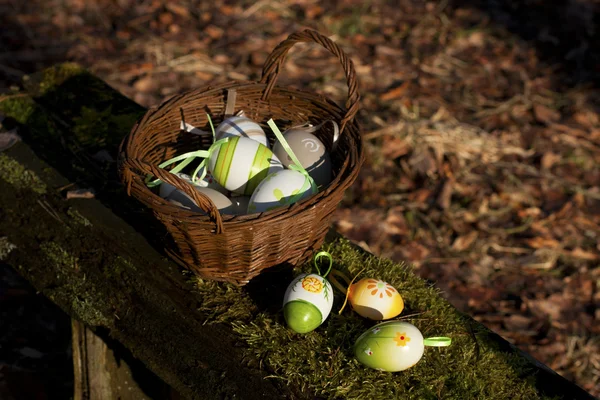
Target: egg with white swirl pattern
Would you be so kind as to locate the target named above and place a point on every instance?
(310, 151)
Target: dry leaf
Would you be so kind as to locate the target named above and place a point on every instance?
(80, 194)
(585, 255)
(414, 252)
(146, 84)
(545, 114)
(396, 92)
(395, 223)
(177, 9)
(445, 195)
(540, 242)
(587, 118)
(463, 242)
(394, 147)
(549, 159)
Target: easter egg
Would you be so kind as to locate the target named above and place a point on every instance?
(208, 181)
(307, 302)
(279, 189)
(241, 126)
(390, 346)
(240, 164)
(375, 299)
(309, 150)
(181, 199)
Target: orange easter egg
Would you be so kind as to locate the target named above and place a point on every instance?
(375, 299)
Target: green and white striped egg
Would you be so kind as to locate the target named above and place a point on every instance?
(240, 164)
(241, 126)
(307, 302)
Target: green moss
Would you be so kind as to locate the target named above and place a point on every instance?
(66, 264)
(94, 126)
(222, 302)
(5, 248)
(322, 362)
(17, 175)
(115, 269)
(18, 108)
(59, 257)
(88, 312)
(48, 79)
(78, 218)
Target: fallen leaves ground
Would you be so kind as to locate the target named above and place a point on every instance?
(481, 120)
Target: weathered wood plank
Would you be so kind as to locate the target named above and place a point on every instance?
(103, 369)
(95, 267)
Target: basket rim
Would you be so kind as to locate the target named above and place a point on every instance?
(344, 179)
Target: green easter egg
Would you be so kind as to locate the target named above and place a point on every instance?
(302, 316)
(390, 346)
(240, 164)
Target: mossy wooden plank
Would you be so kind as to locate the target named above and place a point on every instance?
(99, 269)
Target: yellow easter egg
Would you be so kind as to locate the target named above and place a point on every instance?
(375, 299)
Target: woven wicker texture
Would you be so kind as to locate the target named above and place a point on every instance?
(237, 248)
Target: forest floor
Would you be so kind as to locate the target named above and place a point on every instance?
(481, 121)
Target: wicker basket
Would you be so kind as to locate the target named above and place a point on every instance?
(237, 248)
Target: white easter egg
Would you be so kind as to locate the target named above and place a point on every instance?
(307, 302)
(241, 126)
(309, 150)
(281, 188)
(223, 204)
(166, 189)
(208, 181)
(240, 164)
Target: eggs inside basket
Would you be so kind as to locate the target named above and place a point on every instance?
(242, 172)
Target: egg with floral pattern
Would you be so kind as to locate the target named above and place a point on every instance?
(375, 299)
(307, 302)
(390, 346)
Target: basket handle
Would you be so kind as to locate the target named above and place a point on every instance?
(275, 60)
(199, 198)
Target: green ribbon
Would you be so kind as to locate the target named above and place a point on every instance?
(326, 255)
(189, 157)
(438, 341)
(296, 166)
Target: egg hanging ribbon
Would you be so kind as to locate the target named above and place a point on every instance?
(322, 254)
(370, 298)
(437, 341)
(296, 166)
(341, 288)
